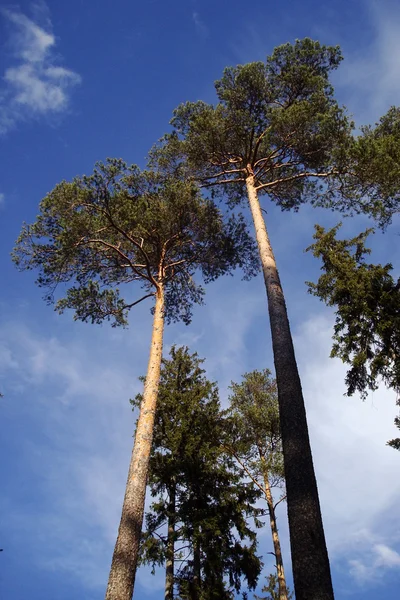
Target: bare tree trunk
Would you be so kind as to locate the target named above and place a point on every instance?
(124, 561)
(170, 550)
(196, 569)
(311, 570)
(275, 536)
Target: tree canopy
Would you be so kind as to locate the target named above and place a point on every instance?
(121, 225)
(279, 119)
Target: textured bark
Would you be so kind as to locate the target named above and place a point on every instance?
(170, 550)
(275, 535)
(311, 570)
(124, 561)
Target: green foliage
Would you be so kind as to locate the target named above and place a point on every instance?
(272, 589)
(278, 120)
(213, 505)
(372, 185)
(121, 225)
(254, 431)
(367, 303)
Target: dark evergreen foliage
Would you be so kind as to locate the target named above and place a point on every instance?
(213, 506)
(366, 298)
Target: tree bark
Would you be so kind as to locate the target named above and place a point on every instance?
(170, 550)
(124, 561)
(311, 569)
(275, 535)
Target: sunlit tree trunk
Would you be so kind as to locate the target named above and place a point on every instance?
(124, 561)
(311, 570)
(275, 535)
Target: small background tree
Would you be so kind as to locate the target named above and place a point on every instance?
(255, 441)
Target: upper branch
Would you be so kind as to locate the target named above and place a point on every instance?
(297, 176)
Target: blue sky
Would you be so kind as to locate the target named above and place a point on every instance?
(81, 81)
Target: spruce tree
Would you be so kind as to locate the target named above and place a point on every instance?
(366, 298)
(122, 226)
(207, 543)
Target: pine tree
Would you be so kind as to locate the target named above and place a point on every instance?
(367, 302)
(276, 130)
(207, 543)
(254, 440)
(125, 226)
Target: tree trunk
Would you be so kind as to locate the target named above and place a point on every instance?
(275, 536)
(170, 550)
(196, 569)
(124, 561)
(311, 570)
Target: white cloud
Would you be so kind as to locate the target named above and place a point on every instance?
(1, 199)
(35, 86)
(375, 564)
(356, 471)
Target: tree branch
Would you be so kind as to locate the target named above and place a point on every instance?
(129, 306)
(134, 242)
(294, 177)
(133, 266)
(279, 501)
(246, 470)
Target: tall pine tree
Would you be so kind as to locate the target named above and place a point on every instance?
(123, 226)
(278, 131)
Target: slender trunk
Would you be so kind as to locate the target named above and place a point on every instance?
(311, 570)
(124, 561)
(170, 550)
(196, 568)
(275, 536)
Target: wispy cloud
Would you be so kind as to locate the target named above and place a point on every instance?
(199, 24)
(380, 559)
(373, 76)
(35, 85)
(351, 459)
(2, 197)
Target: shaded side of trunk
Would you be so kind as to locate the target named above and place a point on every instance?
(170, 550)
(124, 561)
(275, 535)
(311, 570)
